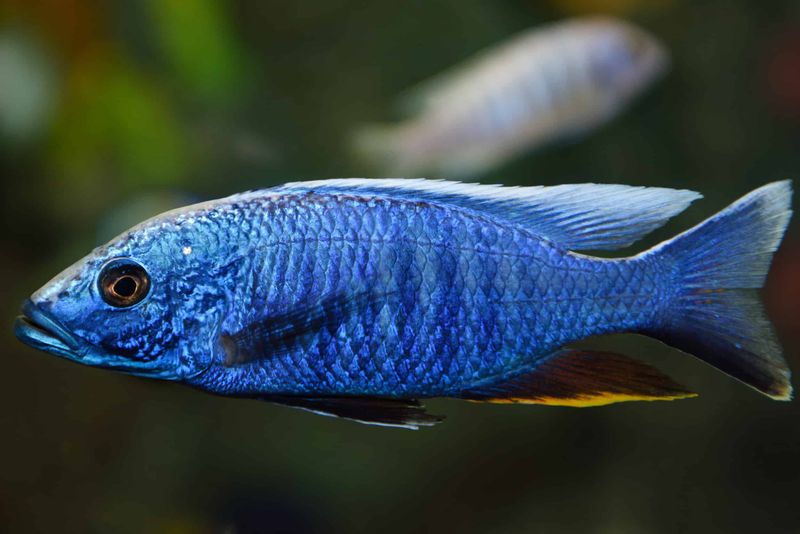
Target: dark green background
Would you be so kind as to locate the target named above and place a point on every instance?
(154, 103)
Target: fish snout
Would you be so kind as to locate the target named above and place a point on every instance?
(39, 329)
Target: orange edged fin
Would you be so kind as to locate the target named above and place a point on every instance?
(582, 379)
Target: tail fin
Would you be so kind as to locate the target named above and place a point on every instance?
(719, 266)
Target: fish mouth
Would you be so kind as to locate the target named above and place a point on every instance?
(38, 329)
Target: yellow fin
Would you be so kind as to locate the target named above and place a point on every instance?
(586, 401)
(582, 379)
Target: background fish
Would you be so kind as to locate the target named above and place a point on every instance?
(357, 297)
(546, 84)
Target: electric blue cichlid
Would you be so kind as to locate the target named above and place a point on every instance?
(358, 297)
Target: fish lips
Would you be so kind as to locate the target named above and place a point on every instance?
(38, 329)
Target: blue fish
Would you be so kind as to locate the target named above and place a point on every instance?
(357, 298)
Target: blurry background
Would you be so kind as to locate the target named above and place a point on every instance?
(110, 112)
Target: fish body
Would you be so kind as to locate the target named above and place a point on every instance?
(358, 297)
(546, 84)
(465, 299)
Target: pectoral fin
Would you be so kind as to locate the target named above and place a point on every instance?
(277, 334)
(400, 413)
(581, 378)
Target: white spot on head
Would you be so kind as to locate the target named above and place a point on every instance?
(187, 251)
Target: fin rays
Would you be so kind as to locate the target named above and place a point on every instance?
(717, 315)
(581, 379)
(575, 216)
(398, 413)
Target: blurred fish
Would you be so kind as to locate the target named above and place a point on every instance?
(356, 298)
(546, 84)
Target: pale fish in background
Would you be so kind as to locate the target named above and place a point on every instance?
(547, 84)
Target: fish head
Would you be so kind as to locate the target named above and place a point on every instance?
(147, 304)
(625, 59)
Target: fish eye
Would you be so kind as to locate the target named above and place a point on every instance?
(123, 283)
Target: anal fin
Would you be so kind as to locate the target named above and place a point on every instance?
(581, 379)
(400, 413)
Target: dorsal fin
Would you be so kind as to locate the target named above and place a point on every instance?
(575, 216)
(582, 378)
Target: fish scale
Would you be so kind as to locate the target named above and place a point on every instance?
(356, 297)
(484, 323)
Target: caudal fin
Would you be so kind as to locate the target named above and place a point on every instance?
(719, 266)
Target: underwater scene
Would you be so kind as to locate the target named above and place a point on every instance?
(477, 266)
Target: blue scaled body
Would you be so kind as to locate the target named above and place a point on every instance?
(356, 297)
(424, 300)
